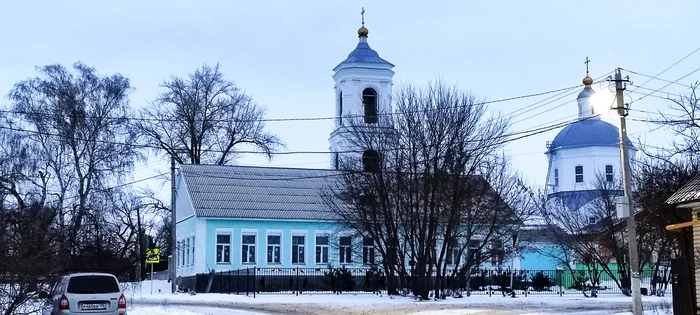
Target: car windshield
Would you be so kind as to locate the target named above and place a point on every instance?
(92, 285)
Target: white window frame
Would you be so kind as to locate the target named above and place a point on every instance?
(303, 233)
(327, 247)
(247, 232)
(192, 252)
(187, 251)
(369, 255)
(223, 231)
(341, 259)
(576, 175)
(273, 232)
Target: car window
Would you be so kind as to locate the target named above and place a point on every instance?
(92, 285)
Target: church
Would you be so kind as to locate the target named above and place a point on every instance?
(234, 217)
(583, 164)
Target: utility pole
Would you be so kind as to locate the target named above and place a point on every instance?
(626, 177)
(173, 239)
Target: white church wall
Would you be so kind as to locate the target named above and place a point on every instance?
(592, 159)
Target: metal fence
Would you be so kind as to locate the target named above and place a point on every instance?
(258, 280)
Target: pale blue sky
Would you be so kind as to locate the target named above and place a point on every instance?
(282, 52)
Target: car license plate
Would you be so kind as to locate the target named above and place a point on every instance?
(93, 306)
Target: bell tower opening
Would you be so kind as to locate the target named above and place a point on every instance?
(369, 101)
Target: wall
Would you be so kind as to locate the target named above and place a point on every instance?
(539, 257)
(593, 160)
(262, 228)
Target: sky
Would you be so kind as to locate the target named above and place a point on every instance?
(282, 53)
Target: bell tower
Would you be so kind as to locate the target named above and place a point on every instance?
(363, 87)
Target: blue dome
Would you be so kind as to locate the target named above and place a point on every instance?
(364, 54)
(587, 133)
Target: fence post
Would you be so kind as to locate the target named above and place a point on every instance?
(247, 281)
(297, 281)
(527, 282)
(490, 277)
(228, 281)
(255, 281)
(560, 281)
(238, 281)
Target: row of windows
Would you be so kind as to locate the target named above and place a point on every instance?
(185, 252)
(298, 249)
(578, 172)
(369, 102)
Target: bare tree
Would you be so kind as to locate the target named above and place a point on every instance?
(78, 123)
(684, 120)
(202, 119)
(424, 185)
(27, 256)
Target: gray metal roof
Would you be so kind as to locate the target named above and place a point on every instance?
(247, 192)
(690, 192)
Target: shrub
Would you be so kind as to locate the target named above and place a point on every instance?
(541, 282)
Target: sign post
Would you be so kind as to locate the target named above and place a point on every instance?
(152, 257)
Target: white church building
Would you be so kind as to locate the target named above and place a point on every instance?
(583, 161)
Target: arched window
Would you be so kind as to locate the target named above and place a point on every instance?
(579, 174)
(369, 101)
(556, 177)
(370, 161)
(340, 107)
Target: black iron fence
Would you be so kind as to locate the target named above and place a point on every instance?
(257, 280)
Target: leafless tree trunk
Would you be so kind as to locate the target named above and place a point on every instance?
(430, 186)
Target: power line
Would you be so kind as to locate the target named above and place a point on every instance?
(663, 87)
(293, 119)
(649, 76)
(112, 187)
(345, 172)
(669, 67)
(240, 151)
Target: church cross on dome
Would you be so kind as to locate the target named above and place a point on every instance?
(586, 62)
(363, 17)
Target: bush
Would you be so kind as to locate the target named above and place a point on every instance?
(340, 279)
(541, 282)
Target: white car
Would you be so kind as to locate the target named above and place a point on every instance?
(85, 293)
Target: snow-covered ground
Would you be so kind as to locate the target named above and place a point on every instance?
(142, 301)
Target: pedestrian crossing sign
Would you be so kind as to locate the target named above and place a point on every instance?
(153, 256)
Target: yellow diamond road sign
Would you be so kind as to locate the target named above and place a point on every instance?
(153, 256)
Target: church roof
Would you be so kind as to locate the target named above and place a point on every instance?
(364, 54)
(246, 192)
(587, 133)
